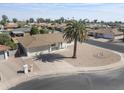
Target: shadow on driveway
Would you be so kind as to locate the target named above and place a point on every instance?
(51, 57)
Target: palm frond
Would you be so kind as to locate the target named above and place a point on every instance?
(75, 29)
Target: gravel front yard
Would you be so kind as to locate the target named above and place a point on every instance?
(87, 56)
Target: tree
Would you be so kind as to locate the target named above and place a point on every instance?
(102, 22)
(95, 20)
(27, 21)
(31, 20)
(58, 21)
(2, 22)
(34, 31)
(62, 20)
(76, 30)
(40, 20)
(122, 30)
(4, 19)
(47, 20)
(85, 20)
(6, 40)
(14, 20)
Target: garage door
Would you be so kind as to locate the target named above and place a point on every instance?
(108, 36)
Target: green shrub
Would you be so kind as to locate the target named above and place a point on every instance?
(6, 40)
(44, 31)
(34, 31)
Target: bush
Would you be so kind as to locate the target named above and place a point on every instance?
(44, 31)
(34, 31)
(6, 40)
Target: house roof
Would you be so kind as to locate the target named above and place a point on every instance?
(40, 40)
(104, 31)
(3, 47)
(63, 25)
(113, 31)
(17, 32)
(11, 25)
(117, 32)
(26, 29)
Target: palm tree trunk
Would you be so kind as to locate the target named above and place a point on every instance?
(75, 48)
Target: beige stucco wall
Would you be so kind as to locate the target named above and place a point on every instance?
(44, 50)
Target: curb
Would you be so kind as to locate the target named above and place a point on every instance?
(29, 77)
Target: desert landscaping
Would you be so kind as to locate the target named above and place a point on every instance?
(85, 53)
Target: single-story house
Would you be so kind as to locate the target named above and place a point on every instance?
(4, 52)
(41, 43)
(17, 33)
(56, 26)
(20, 32)
(106, 33)
(11, 26)
(117, 34)
(96, 25)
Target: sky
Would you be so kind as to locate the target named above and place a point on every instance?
(91, 11)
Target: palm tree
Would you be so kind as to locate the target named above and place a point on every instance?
(76, 30)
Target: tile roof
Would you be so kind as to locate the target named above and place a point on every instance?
(9, 25)
(40, 40)
(3, 47)
(25, 29)
(113, 31)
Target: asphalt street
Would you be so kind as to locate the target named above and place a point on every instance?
(108, 45)
(108, 80)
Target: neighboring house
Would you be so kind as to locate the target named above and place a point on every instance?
(11, 26)
(57, 26)
(106, 33)
(20, 32)
(96, 25)
(3, 52)
(117, 34)
(41, 43)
